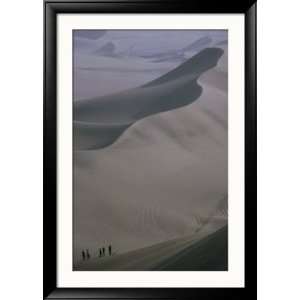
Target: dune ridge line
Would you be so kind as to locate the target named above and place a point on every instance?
(99, 122)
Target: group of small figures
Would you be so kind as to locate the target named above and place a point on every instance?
(86, 254)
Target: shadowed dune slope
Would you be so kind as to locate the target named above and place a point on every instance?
(98, 122)
(208, 254)
(191, 253)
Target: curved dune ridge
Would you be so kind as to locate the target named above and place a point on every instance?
(99, 122)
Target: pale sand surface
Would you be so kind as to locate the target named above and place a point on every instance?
(151, 184)
(148, 258)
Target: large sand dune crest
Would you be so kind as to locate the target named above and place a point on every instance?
(117, 112)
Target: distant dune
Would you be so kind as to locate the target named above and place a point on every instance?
(172, 57)
(224, 42)
(106, 50)
(89, 34)
(179, 54)
(100, 121)
(97, 76)
(198, 44)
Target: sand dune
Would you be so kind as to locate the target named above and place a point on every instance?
(96, 76)
(221, 43)
(163, 173)
(198, 44)
(179, 54)
(106, 50)
(89, 34)
(195, 252)
(172, 57)
(118, 111)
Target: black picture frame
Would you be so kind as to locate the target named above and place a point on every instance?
(51, 9)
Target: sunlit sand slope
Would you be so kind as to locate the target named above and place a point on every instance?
(161, 176)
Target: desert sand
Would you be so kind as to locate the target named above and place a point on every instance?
(157, 178)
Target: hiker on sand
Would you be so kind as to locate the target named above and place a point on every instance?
(87, 254)
(100, 252)
(109, 250)
(83, 255)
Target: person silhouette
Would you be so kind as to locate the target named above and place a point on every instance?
(109, 250)
(87, 254)
(83, 255)
(100, 252)
(103, 251)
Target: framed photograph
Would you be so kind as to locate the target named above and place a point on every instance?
(149, 150)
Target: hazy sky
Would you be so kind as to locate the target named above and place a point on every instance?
(143, 41)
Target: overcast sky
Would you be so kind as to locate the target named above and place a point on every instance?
(143, 41)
